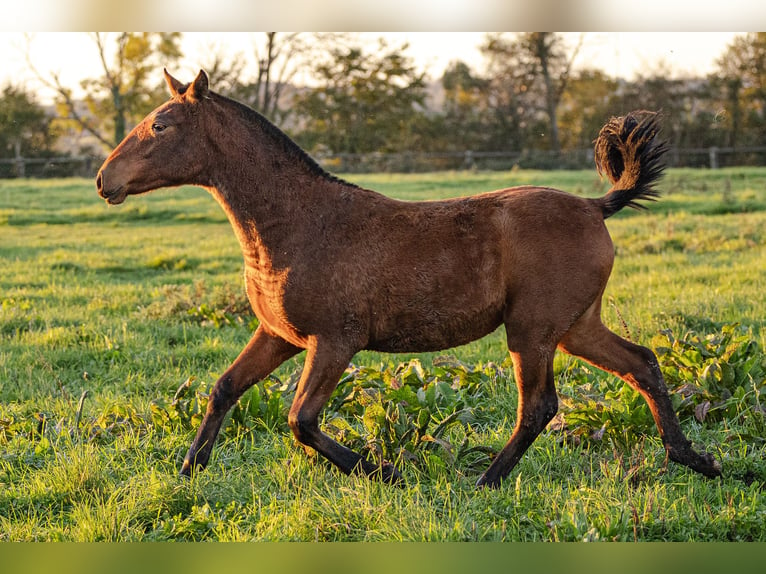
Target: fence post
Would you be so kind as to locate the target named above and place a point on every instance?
(19, 160)
(468, 161)
(714, 157)
(20, 167)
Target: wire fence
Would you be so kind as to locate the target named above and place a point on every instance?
(712, 157)
(65, 166)
(407, 162)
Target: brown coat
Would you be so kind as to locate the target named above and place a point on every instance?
(334, 268)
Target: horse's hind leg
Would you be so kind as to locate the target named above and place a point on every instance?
(538, 404)
(261, 356)
(589, 339)
(325, 363)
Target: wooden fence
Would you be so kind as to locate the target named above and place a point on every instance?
(712, 157)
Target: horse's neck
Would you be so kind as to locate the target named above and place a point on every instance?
(272, 213)
(275, 197)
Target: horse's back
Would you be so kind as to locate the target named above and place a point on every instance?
(421, 276)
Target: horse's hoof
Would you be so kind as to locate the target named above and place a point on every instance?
(704, 463)
(485, 482)
(390, 475)
(188, 469)
(709, 466)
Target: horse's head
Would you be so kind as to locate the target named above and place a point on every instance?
(164, 150)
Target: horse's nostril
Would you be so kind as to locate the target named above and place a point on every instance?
(99, 183)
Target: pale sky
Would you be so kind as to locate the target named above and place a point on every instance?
(625, 54)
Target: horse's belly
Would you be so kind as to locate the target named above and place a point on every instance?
(434, 331)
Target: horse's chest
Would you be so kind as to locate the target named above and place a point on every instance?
(266, 292)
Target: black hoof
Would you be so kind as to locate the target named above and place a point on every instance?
(708, 466)
(188, 469)
(704, 463)
(486, 482)
(389, 475)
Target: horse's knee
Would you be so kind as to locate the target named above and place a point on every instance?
(653, 364)
(647, 373)
(550, 406)
(538, 410)
(546, 409)
(303, 427)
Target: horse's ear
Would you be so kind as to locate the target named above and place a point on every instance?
(174, 85)
(199, 87)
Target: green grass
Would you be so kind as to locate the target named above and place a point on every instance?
(130, 303)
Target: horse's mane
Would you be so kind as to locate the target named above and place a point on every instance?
(252, 117)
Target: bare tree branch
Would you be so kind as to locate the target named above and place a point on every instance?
(66, 99)
(566, 73)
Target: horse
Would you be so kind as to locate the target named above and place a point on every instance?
(333, 268)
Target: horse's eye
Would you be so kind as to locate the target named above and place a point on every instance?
(157, 127)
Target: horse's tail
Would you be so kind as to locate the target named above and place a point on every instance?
(628, 152)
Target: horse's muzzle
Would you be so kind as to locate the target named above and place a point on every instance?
(112, 196)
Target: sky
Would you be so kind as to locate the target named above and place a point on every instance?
(72, 55)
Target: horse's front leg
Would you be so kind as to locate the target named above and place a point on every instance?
(263, 354)
(324, 366)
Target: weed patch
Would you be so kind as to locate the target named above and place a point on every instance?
(716, 377)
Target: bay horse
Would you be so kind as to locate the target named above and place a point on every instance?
(332, 268)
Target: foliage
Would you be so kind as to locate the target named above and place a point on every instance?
(407, 412)
(551, 63)
(587, 101)
(363, 102)
(220, 307)
(465, 111)
(602, 409)
(25, 129)
(279, 57)
(524, 96)
(741, 81)
(718, 376)
(713, 377)
(125, 92)
(402, 413)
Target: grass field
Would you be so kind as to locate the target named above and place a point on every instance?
(115, 322)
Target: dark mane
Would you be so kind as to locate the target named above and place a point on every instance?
(279, 137)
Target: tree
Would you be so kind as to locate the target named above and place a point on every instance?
(548, 60)
(741, 81)
(466, 121)
(25, 129)
(276, 68)
(533, 69)
(584, 107)
(119, 98)
(508, 93)
(685, 104)
(279, 57)
(363, 102)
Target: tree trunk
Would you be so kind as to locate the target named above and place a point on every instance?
(267, 78)
(543, 53)
(734, 86)
(551, 104)
(119, 115)
(20, 165)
